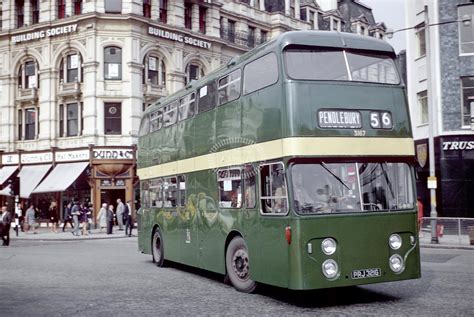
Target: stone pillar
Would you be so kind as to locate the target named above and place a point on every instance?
(155, 10)
(287, 7)
(26, 13)
(91, 111)
(195, 18)
(297, 9)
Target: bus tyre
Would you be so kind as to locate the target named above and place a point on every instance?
(157, 248)
(237, 266)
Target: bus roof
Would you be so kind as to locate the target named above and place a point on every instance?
(303, 38)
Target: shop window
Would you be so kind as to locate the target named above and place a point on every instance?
(34, 4)
(207, 97)
(260, 73)
(71, 68)
(163, 11)
(113, 63)
(466, 30)
(20, 13)
(28, 75)
(28, 130)
(147, 8)
(170, 191)
(193, 72)
(467, 85)
(156, 193)
(112, 118)
(230, 188)
(421, 39)
(156, 120)
(61, 9)
(113, 6)
(273, 193)
(170, 114)
(77, 7)
(187, 106)
(250, 187)
(70, 119)
(202, 19)
(229, 87)
(154, 71)
(423, 106)
(188, 13)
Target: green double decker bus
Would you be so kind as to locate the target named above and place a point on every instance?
(292, 166)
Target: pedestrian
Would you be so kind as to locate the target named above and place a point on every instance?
(419, 206)
(120, 210)
(127, 215)
(102, 217)
(53, 214)
(89, 208)
(76, 212)
(6, 223)
(83, 211)
(110, 219)
(21, 217)
(68, 216)
(31, 219)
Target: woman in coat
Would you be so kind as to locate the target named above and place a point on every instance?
(102, 217)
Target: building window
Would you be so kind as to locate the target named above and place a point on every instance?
(20, 11)
(154, 71)
(421, 39)
(188, 13)
(27, 75)
(77, 7)
(467, 99)
(193, 72)
(147, 8)
(164, 11)
(335, 25)
(113, 63)
(312, 17)
(263, 36)
(61, 9)
(70, 69)
(423, 106)
(28, 116)
(71, 114)
(202, 19)
(112, 118)
(113, 6)
(362, 30)
(231, 31)
(466, 30)
(251, 37)
(34, 11)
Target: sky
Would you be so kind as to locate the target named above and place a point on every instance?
(392, 13)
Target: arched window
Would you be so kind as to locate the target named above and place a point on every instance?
(28, 75)
(194, 71)
(113, 63)
(70, 70)
(154, 71)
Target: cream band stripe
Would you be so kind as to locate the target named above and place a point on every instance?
(326, 146)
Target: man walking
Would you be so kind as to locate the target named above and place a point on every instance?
(119, 212)
(68, 216)
(127, 215)
(6, 221)
(76, 212)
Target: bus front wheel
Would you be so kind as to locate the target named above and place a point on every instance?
(237, 265)
(157, 248)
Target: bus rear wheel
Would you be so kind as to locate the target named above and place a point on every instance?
(237, 265)
(157, 248)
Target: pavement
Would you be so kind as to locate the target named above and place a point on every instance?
(45, 234)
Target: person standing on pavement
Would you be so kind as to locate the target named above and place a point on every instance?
(68, 216)
(83, 210)
(102, 217)
(53, 214)
(76, 212)
(120, 210)
(110, 218)
(31, 219)
(6, 222)
(127, 216)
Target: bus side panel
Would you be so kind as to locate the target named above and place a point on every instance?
(204, 132)
(228, 127)
(184, 139)
(362, 244)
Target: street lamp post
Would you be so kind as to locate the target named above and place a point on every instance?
(432, 180)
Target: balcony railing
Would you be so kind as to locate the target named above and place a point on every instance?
(28, 94)
(69, 89)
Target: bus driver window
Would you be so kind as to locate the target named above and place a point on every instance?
(273, 189)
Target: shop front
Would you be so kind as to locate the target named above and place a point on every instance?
(454, 161)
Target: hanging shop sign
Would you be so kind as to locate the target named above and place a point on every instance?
(178, 37)
(82, 155)
(51, 32)
(113, 154)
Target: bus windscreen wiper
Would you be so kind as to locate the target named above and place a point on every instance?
(335, 176)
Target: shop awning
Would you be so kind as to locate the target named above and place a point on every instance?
(6, 172)
(62, 176)
(30, 176)
(5, 191)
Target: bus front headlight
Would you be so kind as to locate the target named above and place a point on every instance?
(328, 246)
(396, 263)
(395, 241)
(330, 268)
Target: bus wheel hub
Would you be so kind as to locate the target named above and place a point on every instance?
(240, 263)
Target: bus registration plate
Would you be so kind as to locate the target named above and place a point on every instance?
(366, 273)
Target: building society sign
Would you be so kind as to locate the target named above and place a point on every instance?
(44, 33)
(178, 37)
